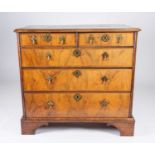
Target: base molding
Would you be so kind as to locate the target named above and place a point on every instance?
(124, 125)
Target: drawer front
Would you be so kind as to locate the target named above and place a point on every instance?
(69, 105)
(48, 39)
(77, 79)
(106, 57)
(106, 39)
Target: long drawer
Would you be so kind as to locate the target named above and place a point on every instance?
(102, 57)
(77, 79)
(77, 104)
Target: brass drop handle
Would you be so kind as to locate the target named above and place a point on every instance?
(50, 104)
(77, 97)
(62, 40)
(77, 73)
(90, 39)
(104, 103)
(105, 56)
(34, 39)
(104, 79)
(105, 38)
(50, 78)
(77, 53)
(49, 56)
(119, 38)
(47, 37)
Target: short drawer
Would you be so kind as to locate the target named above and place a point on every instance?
(77, 79)
(106, 39)
(77, 104)
(47, 39)
(87, 57)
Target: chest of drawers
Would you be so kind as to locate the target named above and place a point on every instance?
(77, 74)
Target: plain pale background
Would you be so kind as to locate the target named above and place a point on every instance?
(10, 105)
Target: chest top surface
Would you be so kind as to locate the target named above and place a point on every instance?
(78, 28)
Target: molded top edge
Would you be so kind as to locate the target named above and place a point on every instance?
(78, 28)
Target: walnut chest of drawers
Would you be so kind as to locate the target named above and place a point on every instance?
(77, 74)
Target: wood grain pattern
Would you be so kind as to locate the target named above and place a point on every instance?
(126, 39)
(70, 39)
(64, 80)
(116, 69)
(66, 106)
(116, 57)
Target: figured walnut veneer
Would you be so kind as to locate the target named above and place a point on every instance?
(90, 105)
(64, 80)
(107, 57)
(126, 39)
(75, 74)
(26, 39)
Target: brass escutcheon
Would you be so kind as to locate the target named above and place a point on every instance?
(77, 53)
(105, 37)
(77, 73)
(47, 37)
(104, 103)
(77, 97)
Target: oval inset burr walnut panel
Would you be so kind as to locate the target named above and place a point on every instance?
(47, 39)
(73, 79)
(106, 39)
(64, 105)
(103, 57)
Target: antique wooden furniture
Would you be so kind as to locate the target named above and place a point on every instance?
(77, 74)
